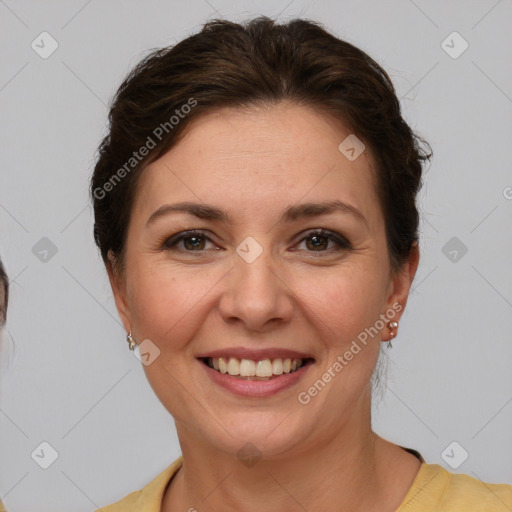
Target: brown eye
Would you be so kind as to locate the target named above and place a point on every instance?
(188, 241)
(193, 242)
(322, 241)
(318, 242)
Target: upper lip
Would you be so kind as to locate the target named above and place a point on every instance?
(256, 355)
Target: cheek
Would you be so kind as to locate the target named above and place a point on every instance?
(168, 304)
(342, 303)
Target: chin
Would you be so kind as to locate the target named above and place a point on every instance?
(267, 434)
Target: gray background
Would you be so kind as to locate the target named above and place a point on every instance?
(67, 375)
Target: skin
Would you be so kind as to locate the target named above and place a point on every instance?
(253, 164)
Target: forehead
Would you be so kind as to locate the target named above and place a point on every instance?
(283, 152)
(266, 132)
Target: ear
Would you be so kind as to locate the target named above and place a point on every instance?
(118, 284)
(400, 284)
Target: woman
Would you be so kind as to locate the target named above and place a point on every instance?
(255, 209)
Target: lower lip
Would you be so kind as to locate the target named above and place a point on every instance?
(255, 388)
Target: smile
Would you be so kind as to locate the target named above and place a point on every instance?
(264, 369)
(251, 378)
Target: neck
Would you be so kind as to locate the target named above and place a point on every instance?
(349, 469)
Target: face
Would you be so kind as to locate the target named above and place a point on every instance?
(256, 238)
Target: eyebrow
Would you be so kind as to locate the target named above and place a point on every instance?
(292, 213)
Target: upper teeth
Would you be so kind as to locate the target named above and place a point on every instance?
(250, 368)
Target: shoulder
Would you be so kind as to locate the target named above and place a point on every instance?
(435, 488)
(473, 493)
(149, 498)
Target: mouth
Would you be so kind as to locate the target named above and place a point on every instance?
(256, 370)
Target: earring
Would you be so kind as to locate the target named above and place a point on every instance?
(392, 334)
(132, 343)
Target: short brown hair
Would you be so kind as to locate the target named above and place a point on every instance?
(228, 64)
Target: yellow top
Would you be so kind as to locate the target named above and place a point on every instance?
(433, 489)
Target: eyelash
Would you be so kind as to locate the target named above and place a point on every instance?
(341, 242)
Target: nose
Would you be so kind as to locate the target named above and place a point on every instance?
(256, 295)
